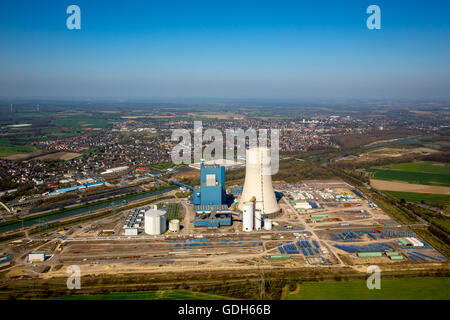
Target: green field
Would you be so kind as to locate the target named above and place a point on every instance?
(172, 211)
(423, 166)
(7, 148)
(149, 295)
(164, 165)
(429, 198)
(444, 223)
(429, 173)
(81, 122)
(391, 289)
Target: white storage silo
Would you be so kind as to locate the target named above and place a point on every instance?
(267, 224)
(248, 216)
(155, 221)
(258, 219)
(258, 181)
(174, 225)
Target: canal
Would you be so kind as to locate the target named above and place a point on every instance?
(71, 212)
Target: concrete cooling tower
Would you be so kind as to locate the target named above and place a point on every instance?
(258, 182)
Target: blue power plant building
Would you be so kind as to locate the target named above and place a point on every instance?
(210, 198)
(212, 186)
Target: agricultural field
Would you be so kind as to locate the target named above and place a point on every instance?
(391, 289)
(8, 148)
(81, 122)
(427, 173)
(149, 295)
(428, 198)
(423, 166)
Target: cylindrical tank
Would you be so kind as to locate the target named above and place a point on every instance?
(174, 225)
(155, 221)
(258, 219)
(267, 224)
(248, 216)
(258, 181)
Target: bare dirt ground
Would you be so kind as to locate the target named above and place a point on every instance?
(37, 155)
(59, 156)
(393, 153)
(408, 187)
(186, 173)
(23, 156)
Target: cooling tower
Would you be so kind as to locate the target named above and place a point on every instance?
(258, 182)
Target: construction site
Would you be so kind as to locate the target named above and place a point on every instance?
(316, 224)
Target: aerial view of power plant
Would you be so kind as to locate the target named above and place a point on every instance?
(245, 155)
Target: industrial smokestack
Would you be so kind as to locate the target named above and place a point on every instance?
(258, 181)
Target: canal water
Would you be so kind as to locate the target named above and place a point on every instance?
(72, 212)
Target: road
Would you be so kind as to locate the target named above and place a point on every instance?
(311, 230)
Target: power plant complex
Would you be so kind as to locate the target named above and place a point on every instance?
(240, 227)
(256, 205)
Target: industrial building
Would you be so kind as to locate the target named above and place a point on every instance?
(174, 225)
(115, 170)
(209, 198)
(212, 186)
(302, 205)
(212, 220)
(134, 221)
(227, 164)
(155, 221)
(36, 256)
(5, 259)
(75, 188)
(131, 231)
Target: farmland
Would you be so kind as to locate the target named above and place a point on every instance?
(391, 289)
(78, 122)
(427, 173)
(408, 187)
(428, 198)
(423, 166)
(8, 148)
(23, 129)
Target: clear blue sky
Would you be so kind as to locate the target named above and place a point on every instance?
(226, 49)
